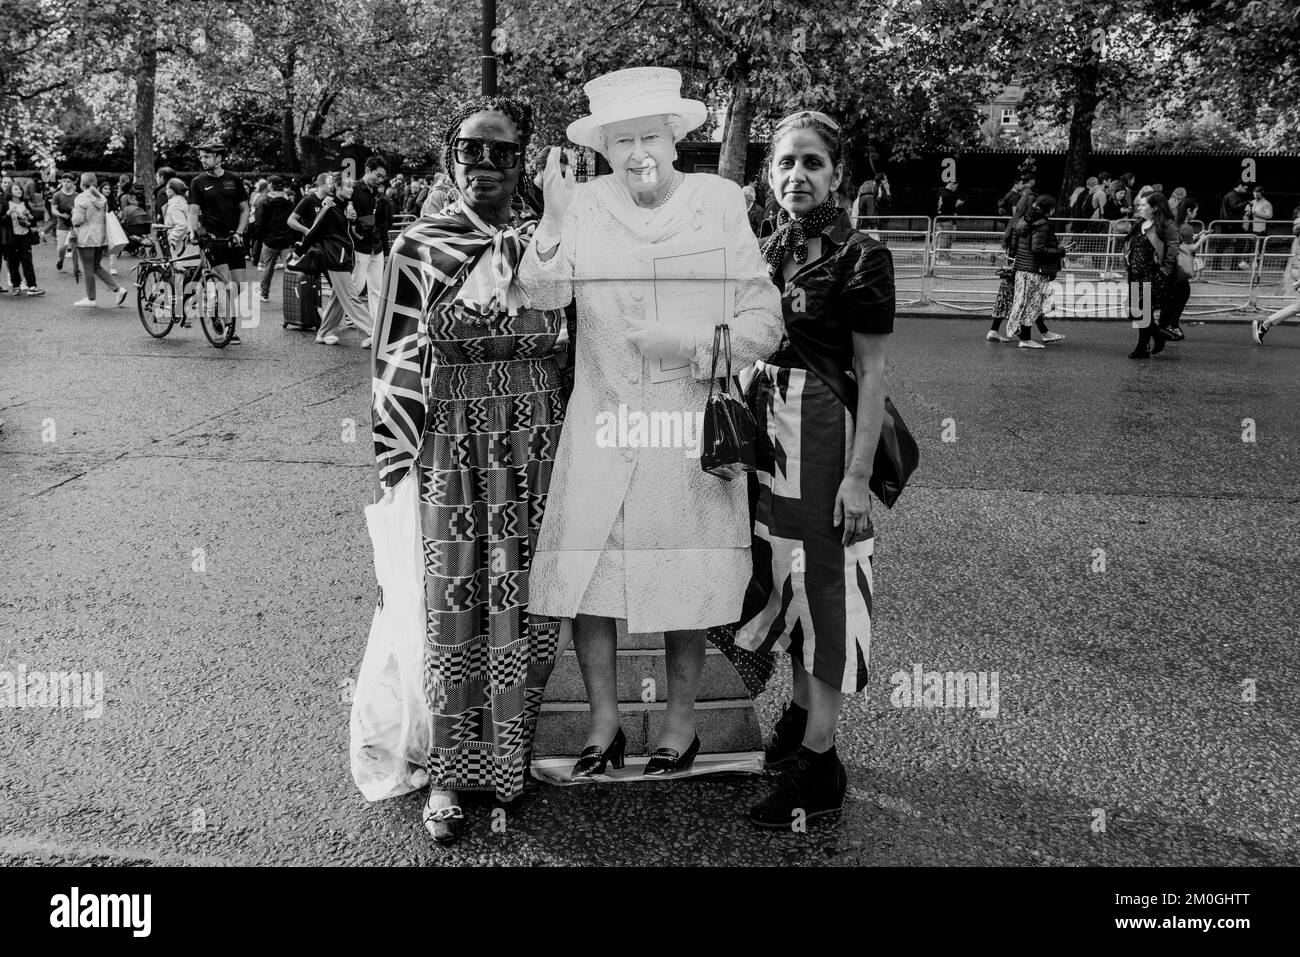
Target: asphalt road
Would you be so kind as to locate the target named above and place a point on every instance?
(1147, 713)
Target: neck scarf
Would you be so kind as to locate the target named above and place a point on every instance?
(792, 235)
(457, 238)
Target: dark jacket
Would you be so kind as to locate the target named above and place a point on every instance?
(332, 233)
(1166, 241)
(368, 238)
(273, 222)
(1032, 242)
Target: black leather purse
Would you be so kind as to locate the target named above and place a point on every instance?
(727, 448)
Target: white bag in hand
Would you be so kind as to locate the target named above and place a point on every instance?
(390, 725)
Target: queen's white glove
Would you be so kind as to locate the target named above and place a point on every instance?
(662, 340)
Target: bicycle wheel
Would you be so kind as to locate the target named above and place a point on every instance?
(216, 311)
(153, 299)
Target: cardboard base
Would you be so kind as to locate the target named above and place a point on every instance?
(556, 770)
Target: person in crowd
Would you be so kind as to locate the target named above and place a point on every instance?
(219, 216)
(162, 176)
(1188, 209)
(1254, 222)
(332, 231)
(1124, 195)
(752, 210)
(255, 200)
(1177, 202)
(61, 204)
(89, 222)
(614, 541)
(274, 233)
(1232, 215)
(466, 381)
(819, 402)
(370, 236)
(384, 225)
(949, 205)
(17, 237)
(176, 215)
(866, 210)
(1031, 242)
(416, 195)
(308, 208)
(135, 222)
(1028, 193)
(396, 192)
(1011, 198)
(1151, 256)
(1290, 283)
(1189, 263)
(441, 194)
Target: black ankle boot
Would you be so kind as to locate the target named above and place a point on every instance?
(787, 736)
(812, 785)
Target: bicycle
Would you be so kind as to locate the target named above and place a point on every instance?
(202, 292)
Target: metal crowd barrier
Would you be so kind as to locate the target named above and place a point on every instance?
(908, 239)
(1279, 268)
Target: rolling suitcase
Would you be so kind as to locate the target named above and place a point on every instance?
(301, 300)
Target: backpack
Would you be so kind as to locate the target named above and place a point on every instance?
(1081, 208)
(1112, 209)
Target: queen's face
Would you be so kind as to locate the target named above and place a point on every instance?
(640, 152)
(802, 174)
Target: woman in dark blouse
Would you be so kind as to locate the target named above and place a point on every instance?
(819, 402)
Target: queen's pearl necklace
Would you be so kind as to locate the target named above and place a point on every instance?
(678, 179)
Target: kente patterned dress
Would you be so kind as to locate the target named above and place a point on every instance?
(466, 395)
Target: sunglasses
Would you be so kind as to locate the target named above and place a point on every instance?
(504, 155)
(812, 114)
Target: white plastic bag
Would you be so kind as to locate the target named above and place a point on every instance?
(114, 234)
(390, 724)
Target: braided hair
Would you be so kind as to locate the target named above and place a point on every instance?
(519, 112)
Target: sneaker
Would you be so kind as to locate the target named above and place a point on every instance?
(1243, 265)
(330, 340)
(365, 343)
(112, 272)
(1258, 330)
(787, 737)
(810, 782)
(264, 296)
(1052, 337)
(122, 294)
(35, 292)
(15, 291)
(85, 302)
(995, 336)
(234, 337)
(1031, 344)
(1176, 333)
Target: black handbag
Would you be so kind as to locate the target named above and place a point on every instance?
(897, 456)
(727, 449)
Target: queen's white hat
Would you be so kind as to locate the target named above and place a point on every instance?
(628, 94)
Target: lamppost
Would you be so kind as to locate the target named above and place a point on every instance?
(489, 56)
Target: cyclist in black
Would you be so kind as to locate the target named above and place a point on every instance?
(219, 215)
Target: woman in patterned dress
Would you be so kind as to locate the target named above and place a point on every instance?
(466, 396)
(819, 401)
